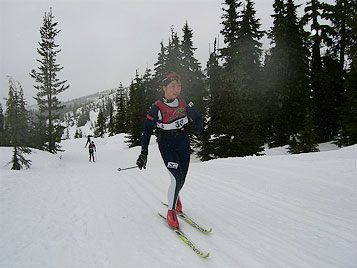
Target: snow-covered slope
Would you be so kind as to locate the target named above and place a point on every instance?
(271, 211)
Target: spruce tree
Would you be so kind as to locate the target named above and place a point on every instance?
(228, 100)
(160, 68)
(306, 140)
(48, 84)
(101, 124)
(323, 101)
(111, 127)
(240, 82)
(3, 138)
(348, 121)
(174, 54)
(249, 87)
(286, 74)
(137, 111)
(17, 125)
(193, 86)
(209, 143)
(120, 118)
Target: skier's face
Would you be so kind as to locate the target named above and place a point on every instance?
(172, 90)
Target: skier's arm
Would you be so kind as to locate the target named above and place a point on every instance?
(149, 124)
(195, 116)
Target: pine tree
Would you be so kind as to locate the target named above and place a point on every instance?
(160, 68)
(49, 86)
(17, 125)
(137, 111)
(323, 101)
(174, 54)
(209, 147)
(111, 127)
(226, 101)
(240, 76)
(193, 86)
(306, 140)
(3, 138)
(286, 74)
(120, 118)
(101, 124)
(250, 70)
(348, 135)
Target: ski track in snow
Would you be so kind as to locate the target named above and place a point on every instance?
(270, 211)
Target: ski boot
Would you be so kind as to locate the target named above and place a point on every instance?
(179, 206)
(172, 219)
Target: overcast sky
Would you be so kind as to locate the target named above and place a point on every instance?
(103, 42)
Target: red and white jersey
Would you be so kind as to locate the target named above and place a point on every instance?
(172, 115)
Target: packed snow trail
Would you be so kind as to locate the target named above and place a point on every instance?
(276, 211)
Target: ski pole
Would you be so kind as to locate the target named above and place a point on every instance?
(120, 169)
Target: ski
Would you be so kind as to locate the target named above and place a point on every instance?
(185, 239)
(191, 222)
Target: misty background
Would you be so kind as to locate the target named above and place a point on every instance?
(104, 42)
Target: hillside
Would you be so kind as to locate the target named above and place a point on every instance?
(276, 210)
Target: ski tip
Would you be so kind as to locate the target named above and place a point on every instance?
(204, 255)
(208, 231)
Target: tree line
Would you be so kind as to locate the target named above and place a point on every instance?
(301, 92)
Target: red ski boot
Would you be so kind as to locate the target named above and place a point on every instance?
(172, 219)
(178, 206)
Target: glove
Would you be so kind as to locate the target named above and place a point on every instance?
(142, 159)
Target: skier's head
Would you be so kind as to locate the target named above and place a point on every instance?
(92, 142)
(171, 84)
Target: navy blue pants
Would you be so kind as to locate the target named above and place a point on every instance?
(176, 155)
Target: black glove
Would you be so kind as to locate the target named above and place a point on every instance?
(142, 159)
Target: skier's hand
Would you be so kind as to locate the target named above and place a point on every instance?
(142, 159)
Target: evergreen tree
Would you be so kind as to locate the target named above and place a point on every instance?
(111, 127)
(160, 68)
(193, 86)
(174, 54)
(209, 146)
(49, 86)
(250, 70)
(3, 138)
(306, 140)
(150, 90)
(83, 117)
(101, 124)
(348, 135)
(227, 100)
(137, 111)
(120, 118)
(286, 74)
(323, 101)
(17, 125)
(78, 134)
(230, 32)
(238, 135)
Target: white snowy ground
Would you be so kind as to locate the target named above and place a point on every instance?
(272, 211)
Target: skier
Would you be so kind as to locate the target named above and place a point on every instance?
(88, 140)
(92, 148)
(171, 115)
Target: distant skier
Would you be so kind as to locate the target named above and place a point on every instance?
(92, 148)
(88, 140)
(171, 115)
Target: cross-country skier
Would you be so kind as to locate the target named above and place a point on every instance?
(88, 140)
(92, 148)
(171, 115)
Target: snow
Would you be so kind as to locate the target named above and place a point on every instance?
(277, 210)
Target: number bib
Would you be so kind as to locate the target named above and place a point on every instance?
(172, 117)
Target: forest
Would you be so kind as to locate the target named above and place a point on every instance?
(300, 92)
